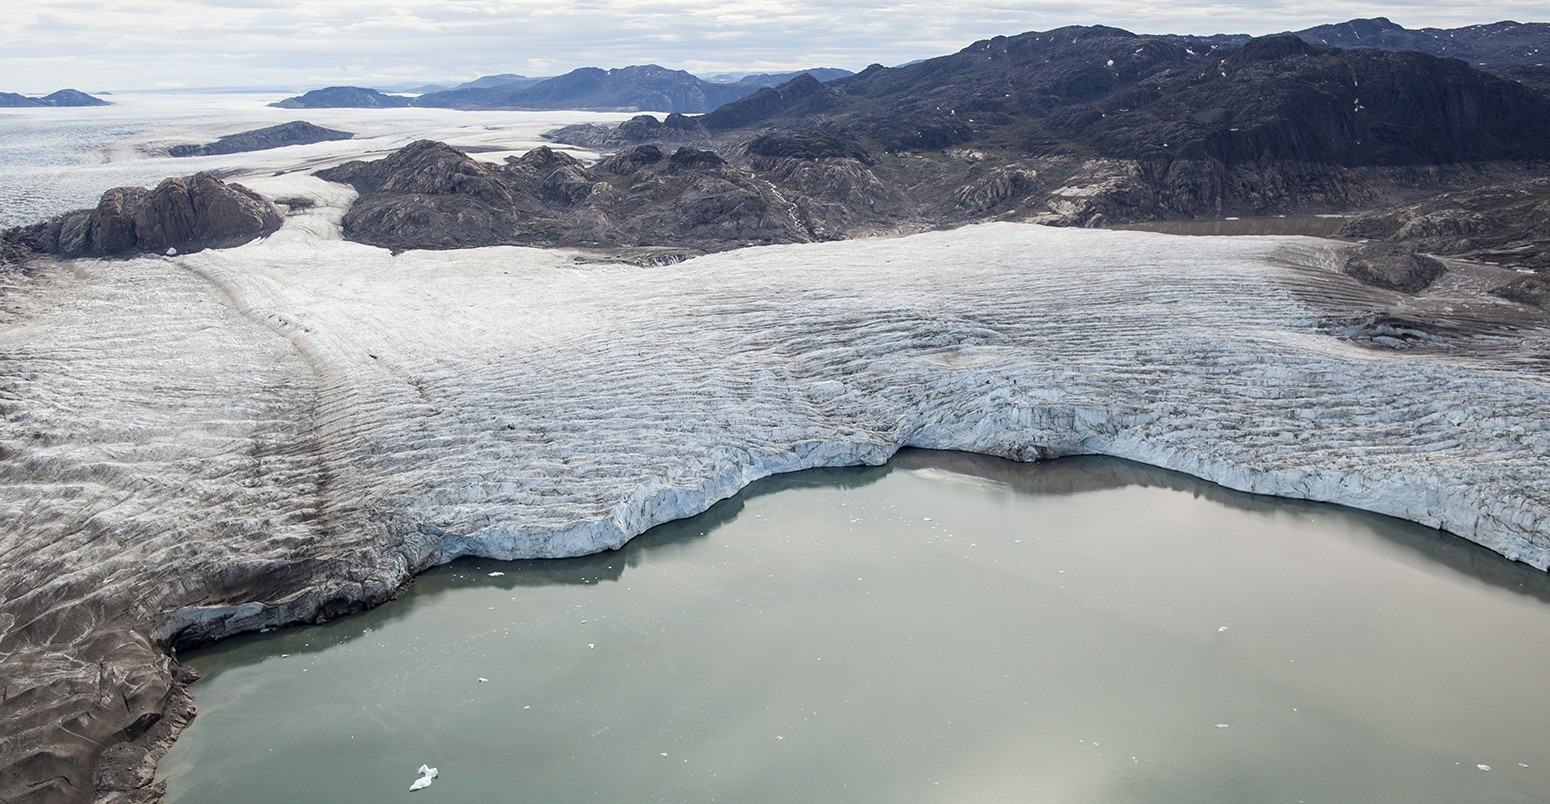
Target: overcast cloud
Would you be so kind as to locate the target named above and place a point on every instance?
(303, 44)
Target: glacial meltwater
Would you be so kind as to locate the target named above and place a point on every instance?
(947, 628)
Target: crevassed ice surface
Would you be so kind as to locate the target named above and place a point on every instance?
(947, 628)
(514, 403)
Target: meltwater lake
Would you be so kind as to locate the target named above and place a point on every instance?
(946, 628)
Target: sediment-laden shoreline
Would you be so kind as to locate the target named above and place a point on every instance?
(213, 443)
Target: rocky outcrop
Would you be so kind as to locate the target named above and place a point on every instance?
(296, 132)
(181, 214)
(428, 195)
(675, 128)
(344, 98)
(798, 99)
(1393, 268)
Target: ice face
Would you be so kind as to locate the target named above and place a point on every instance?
(511, 403)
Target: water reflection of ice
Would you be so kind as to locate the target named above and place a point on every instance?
(54, 160)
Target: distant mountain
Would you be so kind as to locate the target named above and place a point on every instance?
(344, 98)
(776, 79)
(62, 98)
(511, 80)
(296, 132)
(639, 87)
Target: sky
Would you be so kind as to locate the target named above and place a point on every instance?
(95, 45)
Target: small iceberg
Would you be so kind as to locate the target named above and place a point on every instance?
(427, 775)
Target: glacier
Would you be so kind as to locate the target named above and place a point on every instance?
(205, 444)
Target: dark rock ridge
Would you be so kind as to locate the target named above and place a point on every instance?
(1510, 49)
(63, 97)
(344, 98)
(186, 214)
(1495, 44)
(639, 87)
(296, 132)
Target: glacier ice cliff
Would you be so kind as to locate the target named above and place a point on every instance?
(288, 430)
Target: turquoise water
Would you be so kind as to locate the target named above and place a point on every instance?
(947, 628)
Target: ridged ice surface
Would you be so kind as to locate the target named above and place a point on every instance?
(302, 421)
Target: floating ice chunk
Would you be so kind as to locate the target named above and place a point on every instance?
(496, 574)
(427, 775)
(1483, 767)
(172, 252)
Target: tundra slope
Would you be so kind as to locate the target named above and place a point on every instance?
(288, 430)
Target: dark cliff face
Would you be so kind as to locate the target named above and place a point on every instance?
(186, 214)
(296, 132)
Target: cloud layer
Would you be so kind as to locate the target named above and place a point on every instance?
(300, 44)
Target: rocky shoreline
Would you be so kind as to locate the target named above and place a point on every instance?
(371, 415)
